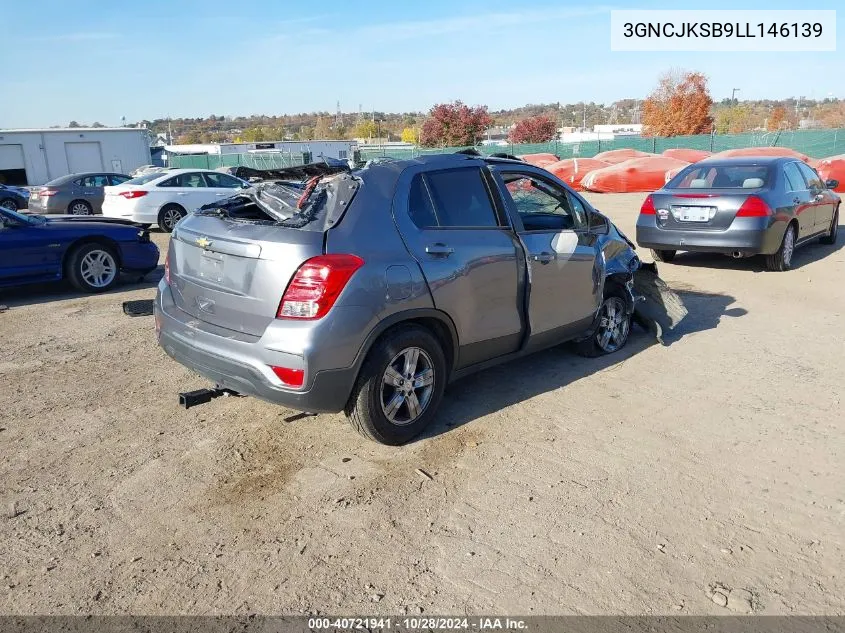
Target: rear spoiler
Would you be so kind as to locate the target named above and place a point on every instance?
(325, 167)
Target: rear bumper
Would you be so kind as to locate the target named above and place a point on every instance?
(244, 366)
(749, 236)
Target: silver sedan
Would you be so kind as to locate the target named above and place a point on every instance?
(740, 207)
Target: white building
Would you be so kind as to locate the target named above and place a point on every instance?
(36, 156)
(302, 149)
(619, 129)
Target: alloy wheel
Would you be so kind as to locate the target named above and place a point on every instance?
(98, 268)
(407, 386)
(9, 204)
(614, 325)
(80, 209)
(788, 246)
(171, 217)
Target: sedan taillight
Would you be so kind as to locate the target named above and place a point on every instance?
(46, 193)
(754, 207)
(135, 193)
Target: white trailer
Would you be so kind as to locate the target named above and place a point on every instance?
(36, 156)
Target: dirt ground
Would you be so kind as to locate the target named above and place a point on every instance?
(705, 477)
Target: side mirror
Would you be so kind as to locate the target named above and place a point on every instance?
(831, 184)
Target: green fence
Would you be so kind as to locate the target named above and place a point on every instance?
(814, 143)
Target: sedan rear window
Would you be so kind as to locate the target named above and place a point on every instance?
(720, 177)
(143, 180)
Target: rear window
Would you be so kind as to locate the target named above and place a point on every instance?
(143, 180)
(720, 177)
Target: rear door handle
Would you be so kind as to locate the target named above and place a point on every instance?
(439, 249)
(543, 258)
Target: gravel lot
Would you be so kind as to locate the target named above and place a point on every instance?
(705, 477)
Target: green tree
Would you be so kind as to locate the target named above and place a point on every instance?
(73, 124)
(97, 124)
(365, 129)
(306, 133)
(410, 135)
(253, 135)
(189, 138)
(734, 120)
(323, 129)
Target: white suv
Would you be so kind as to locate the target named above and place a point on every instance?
(165, 197)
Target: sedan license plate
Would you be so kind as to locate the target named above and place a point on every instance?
(693, 214)
(211, 266)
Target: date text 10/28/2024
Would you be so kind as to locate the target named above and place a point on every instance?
(418, 623)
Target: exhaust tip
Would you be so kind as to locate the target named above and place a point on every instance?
(736, 254)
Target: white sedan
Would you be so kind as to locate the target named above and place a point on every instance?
(165, 197)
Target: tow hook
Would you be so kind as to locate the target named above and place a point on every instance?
(190, 399)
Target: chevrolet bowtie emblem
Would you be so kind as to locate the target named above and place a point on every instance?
(203, 242)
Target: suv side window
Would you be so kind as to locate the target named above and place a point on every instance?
(813, 181)
(541, 205)
(420, 207)
(461, 198)
(794, 179)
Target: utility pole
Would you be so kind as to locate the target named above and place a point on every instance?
(733, 96)
(584, 126)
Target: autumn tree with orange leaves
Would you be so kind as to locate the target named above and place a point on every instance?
(680, 105)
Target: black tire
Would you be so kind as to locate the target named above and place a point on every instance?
(79, 207)
(167, 217)
(596, 345)
(82, 271)
(830, 238)
(9, 203)
(661, 255)
(373, 391)
(782, 259)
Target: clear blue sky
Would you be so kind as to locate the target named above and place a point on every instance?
(98, 61)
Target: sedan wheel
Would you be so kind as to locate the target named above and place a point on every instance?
(830, 238)
(169, 216)
(407, 385)
(782, 259)
(80, 208)
(9, 204)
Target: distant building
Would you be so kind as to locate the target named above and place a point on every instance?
(305, 151)
(36, 156)
(620, 129)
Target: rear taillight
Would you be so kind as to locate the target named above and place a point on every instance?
(754, 207)
(167, 268)
(135, 193)
(290, 377)
(648, 206)
(317, 285)
(46, 193)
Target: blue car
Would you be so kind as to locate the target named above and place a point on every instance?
(89, 252)
(13, 198)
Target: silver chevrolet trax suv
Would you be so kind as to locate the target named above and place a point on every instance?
(368, 291)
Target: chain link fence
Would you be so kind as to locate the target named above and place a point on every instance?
(814, 143)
